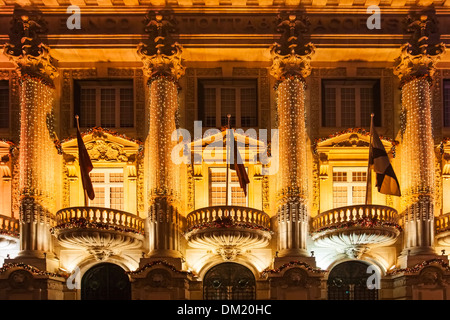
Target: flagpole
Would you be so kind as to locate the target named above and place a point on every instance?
(84, 190)
(369, 167)
(227, 182)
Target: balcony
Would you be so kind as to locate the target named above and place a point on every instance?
(354, 230)
(9, 233)
(228, 230)
(102, 232)
(443, 230)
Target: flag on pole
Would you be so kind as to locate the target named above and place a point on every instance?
(387, 182)
(237, 164)
(85, 165)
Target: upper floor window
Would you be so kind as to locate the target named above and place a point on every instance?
(108, 188)
(349, 186)
(4, 104)
(107, 104)
(218, 188)
(349, 103)
(217, 99)
(446, 103)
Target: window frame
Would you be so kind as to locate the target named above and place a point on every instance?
(107, 185)
(98, 85)
(349, 184)
(231, 184)
(358, 84)
(238, 85)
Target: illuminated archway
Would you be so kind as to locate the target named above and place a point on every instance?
(229, 281)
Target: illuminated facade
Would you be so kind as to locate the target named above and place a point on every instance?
(135, 71)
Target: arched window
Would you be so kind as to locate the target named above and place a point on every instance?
(229, 281)
(105, 281)
(348, 281)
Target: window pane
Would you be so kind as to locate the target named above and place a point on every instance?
(99, 200)
(339, 176)
(97, 177)
(87, 108)
(209, 102)
(358, 195)
(218, 195)
(228, 106)
(359, 176)
(348, 116)
(238, 197)
(249, 108)
(115, 177)
(330, 107)
(339, 196)
(108, 108)
(116, 198)
(366, 106)
(4, 107)
(126, 108)
(447, 103)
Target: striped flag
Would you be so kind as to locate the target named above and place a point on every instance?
(85, 166)
(387, 182)
(238, 165)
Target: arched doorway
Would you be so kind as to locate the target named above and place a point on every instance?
(105, 281)
(229, 281)
(348, 281)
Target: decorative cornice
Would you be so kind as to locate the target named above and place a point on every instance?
(161, 56)
(27, 51)
(290, 56)
(419, 56)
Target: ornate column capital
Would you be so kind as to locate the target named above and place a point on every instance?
(161, 55)
(420, 55)
(27, 51)
(291, 57)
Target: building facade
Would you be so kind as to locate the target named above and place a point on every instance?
(153, 83)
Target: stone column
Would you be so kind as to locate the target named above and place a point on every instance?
(290, 66)
(415, 67)
(38, 160)
(163, 66)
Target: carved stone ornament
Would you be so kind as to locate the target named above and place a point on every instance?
(27, 51)
(290, 56)
(291, 64)
(419, 56)
(409, 65)
(161, 55)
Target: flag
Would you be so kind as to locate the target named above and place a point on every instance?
(387, 182)
(85, 165)
(238, 165)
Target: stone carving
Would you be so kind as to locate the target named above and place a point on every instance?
(159, 278)
(26, 49)
(20, 279)
(419, 56)
(296, 277)
(101, 150)
(290, 56)
(161, 56)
